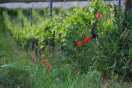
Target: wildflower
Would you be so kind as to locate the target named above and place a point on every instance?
(43, 55)
(44, 61)
(79, 43)
(87, 39)
(33, 58)
(98, 15)
(49, 67)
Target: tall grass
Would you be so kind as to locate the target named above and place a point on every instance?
(18, 71)
(27, 74)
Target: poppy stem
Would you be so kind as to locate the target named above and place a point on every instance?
(94, 46)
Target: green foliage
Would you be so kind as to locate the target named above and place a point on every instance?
(24, 73)
(109, 53)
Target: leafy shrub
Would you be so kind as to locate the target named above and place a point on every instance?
(109, 52)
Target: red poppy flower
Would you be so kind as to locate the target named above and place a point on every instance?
(98, 15)
(87, 39)
(44, 61)
(33, 58)
(79, 43)
(49, 67)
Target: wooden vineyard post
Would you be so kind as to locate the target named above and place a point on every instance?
(51, 8)
(51, 40)
(36, 50)
(31, 15)
(119, 5)
(128, 7)
(94, 25)
(22, 23)
(36, 47)
(127, 11)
